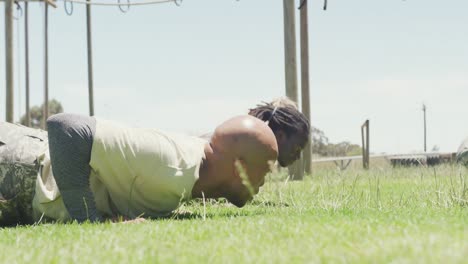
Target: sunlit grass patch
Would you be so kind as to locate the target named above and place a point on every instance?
(409, 215)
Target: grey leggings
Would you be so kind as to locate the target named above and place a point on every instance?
(70, 142)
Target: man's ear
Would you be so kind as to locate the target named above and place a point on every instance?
(280, 135)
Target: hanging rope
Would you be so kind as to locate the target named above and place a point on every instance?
(19, 11)
(302, 4)
(121, 6)
(304, 1)
(68, 8)
(147, 2)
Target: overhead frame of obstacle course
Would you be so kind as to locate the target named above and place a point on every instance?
(289, 41)
(9, 49)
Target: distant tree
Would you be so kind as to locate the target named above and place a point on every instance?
(322, 146)
(344, 148)
(36, 112)
(319, 142)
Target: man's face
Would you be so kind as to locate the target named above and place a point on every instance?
(289, 148)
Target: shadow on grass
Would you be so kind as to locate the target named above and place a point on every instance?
(215, 209)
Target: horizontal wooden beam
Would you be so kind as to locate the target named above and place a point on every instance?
(49, 2)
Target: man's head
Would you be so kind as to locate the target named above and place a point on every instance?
(291, 128)
(243, 148)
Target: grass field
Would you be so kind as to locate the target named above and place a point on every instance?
(398, 215)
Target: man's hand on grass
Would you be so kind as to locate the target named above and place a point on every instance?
(134, 221)
(126, 220)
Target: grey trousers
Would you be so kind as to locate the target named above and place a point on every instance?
(70, 142)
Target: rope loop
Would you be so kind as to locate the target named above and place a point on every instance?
(68, 8)
(127, 3)
(124, 10)
(325, 2)
(301, 4)
(178, 2)
(19, 11)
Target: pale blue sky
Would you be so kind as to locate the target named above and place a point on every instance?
(188, 68)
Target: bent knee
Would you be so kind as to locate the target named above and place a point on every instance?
(58, 118)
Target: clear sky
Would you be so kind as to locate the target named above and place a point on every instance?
(188, 68)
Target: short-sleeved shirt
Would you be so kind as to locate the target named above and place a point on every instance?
(139, 171)
(134, 172)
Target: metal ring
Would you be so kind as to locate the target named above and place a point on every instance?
(178, 2)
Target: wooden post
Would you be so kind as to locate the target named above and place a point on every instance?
(307, 153)
(90, 60)
(363, 147)
(295, 170)
(9, 59)
(290, 49)
(365, 144)
(46, 66)
(26, 58)
(424, 111)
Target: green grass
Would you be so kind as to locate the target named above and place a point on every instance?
(402, 215)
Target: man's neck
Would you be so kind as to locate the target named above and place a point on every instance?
(209, 180)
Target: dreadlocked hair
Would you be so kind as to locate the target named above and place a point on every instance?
(286, 118)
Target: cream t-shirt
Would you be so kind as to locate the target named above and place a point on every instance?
(138, 171)
(134, 172)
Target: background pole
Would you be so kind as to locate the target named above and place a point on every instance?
(305, 93)
(90, 60)
(9, 59)
(46, 66)
(26, 58)
(295, 170)
(425, 131)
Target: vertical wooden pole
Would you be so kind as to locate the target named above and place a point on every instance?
(367, 144)
(424, 111)
(90, 60)
(363, 146)
(46, 66)
(290, 49)
(9, 59)
(295, 170)
(305, 93)
(26, 58)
